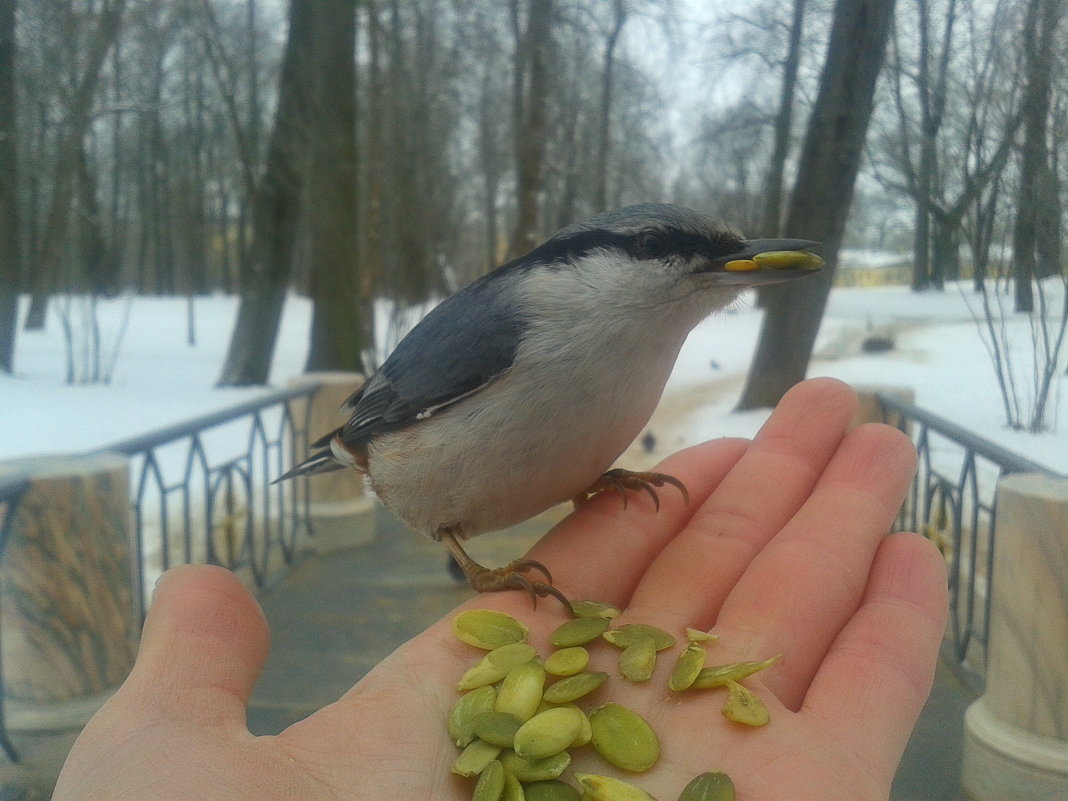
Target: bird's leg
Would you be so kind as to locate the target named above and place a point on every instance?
(623, 481)
(509, 577)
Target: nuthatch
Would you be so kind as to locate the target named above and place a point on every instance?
(521, 390)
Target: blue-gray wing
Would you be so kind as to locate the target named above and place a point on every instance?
(462, 345)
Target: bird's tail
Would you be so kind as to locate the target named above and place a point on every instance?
(320, 462)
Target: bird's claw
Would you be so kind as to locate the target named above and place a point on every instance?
(513, 577)
(624, 481)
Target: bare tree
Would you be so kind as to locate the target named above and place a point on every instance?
(819, 204)
(10, 261)
(1037, 188)
(534, 48)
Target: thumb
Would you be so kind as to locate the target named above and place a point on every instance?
(203, 646)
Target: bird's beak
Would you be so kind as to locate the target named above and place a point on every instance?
(765, 261)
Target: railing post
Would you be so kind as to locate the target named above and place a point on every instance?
(340, 510)
(69, 623)
(1016, 734)
(870, 410)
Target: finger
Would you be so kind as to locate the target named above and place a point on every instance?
(804, 586)
(878, 673)
(204, 644)
(690, 579)
(602, 550)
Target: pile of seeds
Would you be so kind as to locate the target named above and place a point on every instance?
(516, 732)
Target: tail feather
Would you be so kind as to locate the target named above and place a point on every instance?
(321, 462)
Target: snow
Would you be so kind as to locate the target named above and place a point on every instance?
(159, 379)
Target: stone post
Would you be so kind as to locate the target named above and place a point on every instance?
(341, 511)
(68, 622)
(1016, 734)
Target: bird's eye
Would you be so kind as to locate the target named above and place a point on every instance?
(649, 245)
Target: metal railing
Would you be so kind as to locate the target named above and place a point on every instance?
(202, 489)
(201, 492)
(953, 502)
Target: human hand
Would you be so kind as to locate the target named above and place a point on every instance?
(782, 549)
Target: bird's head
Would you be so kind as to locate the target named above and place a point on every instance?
(654, 254)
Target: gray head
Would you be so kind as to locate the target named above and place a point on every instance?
(656, 253)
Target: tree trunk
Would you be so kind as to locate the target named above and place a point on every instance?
(772, 216)
(78, 110)
(10, 263)
(619, 18)
(275, 209)
(1038, 38)
(830, 158)
(336, 335)
(531, 130)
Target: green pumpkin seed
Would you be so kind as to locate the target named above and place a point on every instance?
(605, 788)
(687, 666)
(567, 661)
(594, 609)
(788, 260)
(574, 687)
(638, 660)
(535, 770)
(521, 690)
(551, 790)
(513, 790)
(631, 632)
(719, 675)
(490, 783)
(488, 628)
(497, 728)
(548, 733)
(744, 706)
(624, 738)
(709, 787)
(578, 631)
(696, 635)
(495, 665)
(461, 725)
(474, 758)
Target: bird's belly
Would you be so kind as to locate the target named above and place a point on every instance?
(528, 456)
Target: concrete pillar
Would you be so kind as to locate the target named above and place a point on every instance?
(870, 411)
(1016, 734)
(68, 622)
(341, 509)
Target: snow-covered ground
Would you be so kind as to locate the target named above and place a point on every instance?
(159, 379)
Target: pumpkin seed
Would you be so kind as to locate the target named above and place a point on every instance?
(535, 770)
(605, 788)
(574, 687)
(548, 733)
(709, 787)
(567, 661)
(719, 675)
(637, 660)
(594, 609)
(696, 635)
(687, 666)
(513, 790)
(521, 690)
(624, 738)
(788, 260)
(743, 706)
(497, 728)
(490, 783)
(551, 790)
(488, 628)
(474, 758)
(461, 725)
(630, 633)
(578, 631)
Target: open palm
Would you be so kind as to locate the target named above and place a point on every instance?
(781, 550)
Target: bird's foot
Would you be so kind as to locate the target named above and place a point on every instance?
(624, 481)
(510, 577)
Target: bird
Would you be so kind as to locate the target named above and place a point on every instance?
(521, 390)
